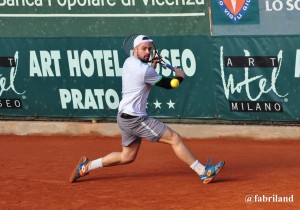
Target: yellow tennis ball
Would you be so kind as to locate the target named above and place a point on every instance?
(174, 83)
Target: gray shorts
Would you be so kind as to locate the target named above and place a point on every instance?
(133, 130)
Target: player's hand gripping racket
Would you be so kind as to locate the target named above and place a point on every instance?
(128, 47)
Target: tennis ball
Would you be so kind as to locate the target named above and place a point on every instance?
(174, 83)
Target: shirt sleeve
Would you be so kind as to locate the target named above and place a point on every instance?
(151, 76)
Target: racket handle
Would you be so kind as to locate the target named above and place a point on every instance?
(169, 66)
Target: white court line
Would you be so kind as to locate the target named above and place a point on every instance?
(107, 15)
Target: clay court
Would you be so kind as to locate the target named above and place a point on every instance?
(35, 171)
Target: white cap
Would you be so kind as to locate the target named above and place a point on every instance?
(141, 39)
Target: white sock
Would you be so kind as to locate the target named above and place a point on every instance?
(95, 164)
(198, 167)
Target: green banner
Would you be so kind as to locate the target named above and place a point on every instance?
(81, 77)
(86, 18)
(257, 78)
(228, 78)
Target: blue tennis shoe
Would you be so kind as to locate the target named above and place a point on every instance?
(211, 171)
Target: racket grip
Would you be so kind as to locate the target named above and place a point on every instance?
(169, 66)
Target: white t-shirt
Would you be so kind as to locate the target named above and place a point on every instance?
(137, 78)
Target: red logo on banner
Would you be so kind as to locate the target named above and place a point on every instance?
(234, 6)
(234, 9)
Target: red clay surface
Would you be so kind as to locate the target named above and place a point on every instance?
(35, 171)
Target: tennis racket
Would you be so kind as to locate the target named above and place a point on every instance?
(127, 47)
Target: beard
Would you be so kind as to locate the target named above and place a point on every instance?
(144, 59)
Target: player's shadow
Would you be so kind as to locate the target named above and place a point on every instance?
(222, 177)
(137, 175)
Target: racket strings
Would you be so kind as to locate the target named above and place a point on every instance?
(156, 56)
(128, 44)
(128, 49)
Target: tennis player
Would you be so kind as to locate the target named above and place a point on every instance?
(137, 79)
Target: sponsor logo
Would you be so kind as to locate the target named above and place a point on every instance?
(7, 82)
(243, 81)
(235, 10)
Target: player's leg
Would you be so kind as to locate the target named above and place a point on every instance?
(130, 147)
(155, 130)
(206, 173)
(179, 147)
(130, 142)
(126, 156)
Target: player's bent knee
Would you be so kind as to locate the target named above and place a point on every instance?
(127, 159)
(177, 139)
(171, 137)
